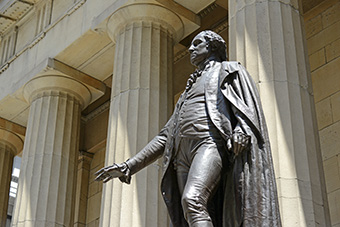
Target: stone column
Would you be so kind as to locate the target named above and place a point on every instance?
(141, 102)
(10, 145)
(84, 164)
(268, 38)
(47, 180)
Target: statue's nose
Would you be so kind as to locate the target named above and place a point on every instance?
(191, 49)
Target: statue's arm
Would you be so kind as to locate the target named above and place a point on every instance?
(152, 151)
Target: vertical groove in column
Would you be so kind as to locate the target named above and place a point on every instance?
(135, 119)
(285, 92)
(47, 187)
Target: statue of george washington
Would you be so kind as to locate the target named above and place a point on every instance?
(217, 164)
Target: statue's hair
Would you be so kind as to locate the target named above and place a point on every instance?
(217, 43)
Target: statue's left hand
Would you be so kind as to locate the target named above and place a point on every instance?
(238, 142)
(122, 171)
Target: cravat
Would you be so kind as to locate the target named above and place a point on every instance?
(192, 79)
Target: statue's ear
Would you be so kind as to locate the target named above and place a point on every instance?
(213, 46)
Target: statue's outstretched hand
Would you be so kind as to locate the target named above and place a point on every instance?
(121, 171)
(238, 142)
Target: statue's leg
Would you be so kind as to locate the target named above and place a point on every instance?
(203, 163)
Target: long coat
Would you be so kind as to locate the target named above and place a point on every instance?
(247, 193)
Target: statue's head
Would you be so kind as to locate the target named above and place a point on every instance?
(207, 45)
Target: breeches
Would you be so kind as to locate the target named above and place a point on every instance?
(198, 165)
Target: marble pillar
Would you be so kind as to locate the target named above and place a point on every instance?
(268, 38)
(141, 102)
(47, 181)
(10, 145)
(82, 188)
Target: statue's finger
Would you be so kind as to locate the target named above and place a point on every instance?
(99, 177)
(237, 144)
(244, 141)
(234, 137)
(229, 146)
(99, 171)
(107, 179)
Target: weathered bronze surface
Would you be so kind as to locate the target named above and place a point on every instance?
(217, 168)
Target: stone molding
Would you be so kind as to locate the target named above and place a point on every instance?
(102, 108)
(57, 85)
(85, 156)
(11, 140)
(145, 12)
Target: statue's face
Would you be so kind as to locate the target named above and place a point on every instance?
(199, 50)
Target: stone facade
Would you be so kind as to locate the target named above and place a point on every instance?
(77, 79)
(323, 39)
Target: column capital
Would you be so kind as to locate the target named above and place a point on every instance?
(148, 12)
(10, 141)
(57, 85)
(85, 156)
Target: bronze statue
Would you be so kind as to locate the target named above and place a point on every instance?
(217, 168)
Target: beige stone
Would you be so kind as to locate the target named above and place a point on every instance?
(87, 49)
(316, 7)
(7, 153)
(47, 180)
(334, 204)
(93, 210)
(277, 60)
(332, 174)
(317, 59)
(82, 187)
(27, 32)
(60, 8)
(313, 26)
(292, 208)
(331, 15)
(326, 80)
(324, 113)
(329, 141)
(93, 188)
(11, 143)
(335, 102)
(97, 126)
(98, 159)
(333, 50)
(323, 38)
(195, 6)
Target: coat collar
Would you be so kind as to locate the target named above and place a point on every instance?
(231, 66)
(228, 67)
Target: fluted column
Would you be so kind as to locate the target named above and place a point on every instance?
(47, 180)
(84, 164)
(10, 145)
(140, 105)
(267, 37)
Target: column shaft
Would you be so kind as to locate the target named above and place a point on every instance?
(82, 188)
(46, 184)
(268, 38)
(140, 104)
(6, 163)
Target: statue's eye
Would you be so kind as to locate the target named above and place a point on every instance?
(197, 42)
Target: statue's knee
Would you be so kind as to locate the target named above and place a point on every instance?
(192, 203)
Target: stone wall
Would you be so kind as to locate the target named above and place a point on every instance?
(94, 133)
(323, 40)
(95, 190)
